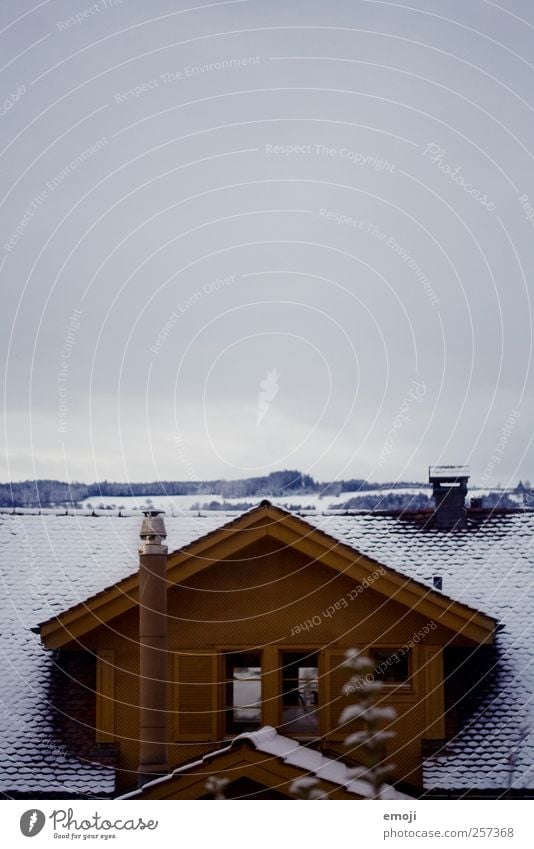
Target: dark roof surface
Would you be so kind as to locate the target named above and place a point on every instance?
(49, 563)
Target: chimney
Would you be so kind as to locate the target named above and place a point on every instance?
(449, 484)
(152, 648)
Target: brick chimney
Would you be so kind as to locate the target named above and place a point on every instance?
(153, 738)
(449, 484)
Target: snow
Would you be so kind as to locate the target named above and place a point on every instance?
(179, 504)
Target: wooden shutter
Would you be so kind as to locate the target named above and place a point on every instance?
(337, 675)
(195, 704)
(105, 696)
(432, 663)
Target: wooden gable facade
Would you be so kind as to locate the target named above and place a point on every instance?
(259, 616)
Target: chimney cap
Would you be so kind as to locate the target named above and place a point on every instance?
(448, 472)
(153, 526)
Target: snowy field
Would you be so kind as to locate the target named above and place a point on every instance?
(183, 503)
(177, 504)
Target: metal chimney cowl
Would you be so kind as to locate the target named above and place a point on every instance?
(152, 533)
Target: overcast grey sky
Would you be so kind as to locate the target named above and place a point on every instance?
(245, 236)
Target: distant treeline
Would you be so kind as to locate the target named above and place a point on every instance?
(51, 493)
(43, 493)
(387, 501)
(374, 502)
(241, 506)
(412, 502)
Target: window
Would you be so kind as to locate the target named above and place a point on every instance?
(300, 693)
(392, 665)
(242, 691)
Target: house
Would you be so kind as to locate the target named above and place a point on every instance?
(225, 654)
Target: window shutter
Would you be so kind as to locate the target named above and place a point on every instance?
(432, 663)
(195, 706)
(105, 696)
(337, 675)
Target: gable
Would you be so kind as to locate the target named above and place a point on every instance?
(272, 594)
(277, 532)
(243, 766)
(263, 759)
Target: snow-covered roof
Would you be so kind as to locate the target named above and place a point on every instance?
(49, 563)
(267, 741)
(491, 568)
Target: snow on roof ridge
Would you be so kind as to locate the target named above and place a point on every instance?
(262, 735)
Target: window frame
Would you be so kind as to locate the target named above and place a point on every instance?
(393, 694)
(272, 682)
(321, 683)
(223, 652)
(407, 686)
